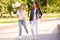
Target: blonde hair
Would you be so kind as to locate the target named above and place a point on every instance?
(21, 6)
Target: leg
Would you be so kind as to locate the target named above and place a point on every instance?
(36, 26)
(24, 25)
(32, 28)
(20, 27)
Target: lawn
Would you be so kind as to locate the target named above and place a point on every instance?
(50, 15)
(8, 20)
(44, 17)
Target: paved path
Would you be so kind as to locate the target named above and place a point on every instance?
(47, 31)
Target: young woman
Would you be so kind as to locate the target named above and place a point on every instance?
(21, 14)
(34, 16)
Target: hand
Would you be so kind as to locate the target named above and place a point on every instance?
(30, 22)
(17, 16)
(38, 15)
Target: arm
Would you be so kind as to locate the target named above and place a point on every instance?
(25, 14)
(30, 18)
(17, 14)
(40, 13)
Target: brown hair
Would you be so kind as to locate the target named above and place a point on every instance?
(37, 5)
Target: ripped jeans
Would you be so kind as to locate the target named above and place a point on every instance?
(20, 23)
(34, 27)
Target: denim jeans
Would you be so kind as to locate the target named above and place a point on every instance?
(22, 22)
(34, 27)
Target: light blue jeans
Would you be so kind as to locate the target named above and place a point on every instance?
(20, 23)
(34, 27)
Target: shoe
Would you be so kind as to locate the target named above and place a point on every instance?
(19, 37)
(34, 38)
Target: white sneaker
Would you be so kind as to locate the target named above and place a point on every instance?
(19, 37)
(34, 37)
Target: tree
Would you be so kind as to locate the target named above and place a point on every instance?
(9, 7)
(53, 5)
(2, 7)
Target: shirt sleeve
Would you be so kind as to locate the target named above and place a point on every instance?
(25, 14)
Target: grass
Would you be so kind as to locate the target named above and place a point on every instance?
(44, 17)
(50, 15)
(8, 20)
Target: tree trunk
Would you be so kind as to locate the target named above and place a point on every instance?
(1, 15)
(10, 14)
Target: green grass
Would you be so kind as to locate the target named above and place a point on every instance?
(50, 15)
(8, 20)
(44, 17)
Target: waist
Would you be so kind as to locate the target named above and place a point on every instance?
(21, 19)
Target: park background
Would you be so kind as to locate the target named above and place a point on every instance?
(8, 8)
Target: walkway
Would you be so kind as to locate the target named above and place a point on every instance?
(47, 31)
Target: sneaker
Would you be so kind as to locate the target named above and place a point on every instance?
(34, 37)
(19, 37)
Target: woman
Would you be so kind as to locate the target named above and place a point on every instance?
(34, 16)
(21, 14)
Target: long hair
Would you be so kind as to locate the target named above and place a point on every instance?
(37, 5)
(21, 6)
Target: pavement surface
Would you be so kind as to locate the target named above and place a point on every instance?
(47, 30)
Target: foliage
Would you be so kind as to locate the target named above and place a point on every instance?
(53, 6)
(47, 6)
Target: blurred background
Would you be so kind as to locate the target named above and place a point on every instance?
(8, 9)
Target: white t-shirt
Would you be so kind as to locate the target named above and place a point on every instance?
(21, 15)
(35, 14)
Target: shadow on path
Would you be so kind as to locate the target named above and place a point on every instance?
(53, 36)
